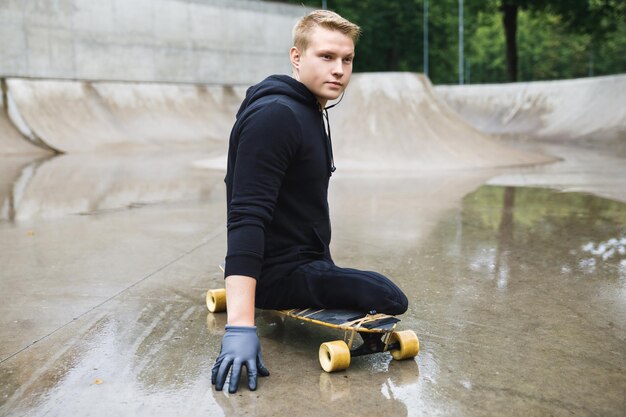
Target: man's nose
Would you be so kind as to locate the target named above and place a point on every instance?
(338, 67)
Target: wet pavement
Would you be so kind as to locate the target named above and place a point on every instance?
(517, 292)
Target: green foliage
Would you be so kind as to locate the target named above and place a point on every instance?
(395, 46)
(556, 39)
(486, 50)
(533, 205)
(563, 235)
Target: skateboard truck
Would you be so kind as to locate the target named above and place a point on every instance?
(373, 343)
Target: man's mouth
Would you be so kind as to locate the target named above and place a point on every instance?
(335, 83)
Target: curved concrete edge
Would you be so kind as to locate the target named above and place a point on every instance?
(12, 142)
(586, 108)
(394, 121)
(74, 116)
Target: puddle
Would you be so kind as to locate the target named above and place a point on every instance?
(507, 230)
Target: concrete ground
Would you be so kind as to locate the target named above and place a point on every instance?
(517, 293)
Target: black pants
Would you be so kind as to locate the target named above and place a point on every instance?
(322, 284)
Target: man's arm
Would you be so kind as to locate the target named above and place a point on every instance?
(267, 144)
(240, 345)
(265, 148)
(240, 300)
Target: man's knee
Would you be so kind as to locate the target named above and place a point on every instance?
(390, 298)
(400, 304)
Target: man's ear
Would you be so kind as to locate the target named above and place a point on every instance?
(294, 56)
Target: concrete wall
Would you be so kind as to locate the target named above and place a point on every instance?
(579, 109)
(188, 41)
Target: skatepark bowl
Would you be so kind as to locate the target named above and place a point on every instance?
(515, 275)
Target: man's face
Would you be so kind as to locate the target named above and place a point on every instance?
(326, 65)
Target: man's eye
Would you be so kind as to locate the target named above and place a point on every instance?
(326, 56)
(347, 60)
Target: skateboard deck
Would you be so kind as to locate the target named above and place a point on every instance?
(344, 319)
(377, 331)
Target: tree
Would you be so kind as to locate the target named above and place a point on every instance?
(595, 17)
(505, 40)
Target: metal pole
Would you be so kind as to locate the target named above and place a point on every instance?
(324, 5)
(426, 37)
(460, 41)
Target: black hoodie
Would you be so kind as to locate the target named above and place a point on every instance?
(279, 165)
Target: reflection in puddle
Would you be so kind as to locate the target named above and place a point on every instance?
(90, 183)
(513, 228)
(15, 174)
(606, 250)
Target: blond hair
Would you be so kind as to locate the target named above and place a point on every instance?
(326, 19)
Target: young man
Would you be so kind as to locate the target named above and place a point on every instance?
(279, 164)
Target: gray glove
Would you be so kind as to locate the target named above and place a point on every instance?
(240, 347)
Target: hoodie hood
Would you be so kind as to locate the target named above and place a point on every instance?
(279, 85)
(284, 85)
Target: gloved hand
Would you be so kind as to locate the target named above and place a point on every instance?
(240, 347)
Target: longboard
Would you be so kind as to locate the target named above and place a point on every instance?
(377, 332)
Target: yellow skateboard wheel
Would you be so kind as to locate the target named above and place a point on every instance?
(334, 356)
(409, 345)
(216, 300)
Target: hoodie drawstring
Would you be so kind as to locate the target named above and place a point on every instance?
(328, 134)
(330, 142)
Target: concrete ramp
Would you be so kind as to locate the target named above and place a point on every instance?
(387, 121)
(11, 141)
(581, 109)
(71, 116)
(394, 121)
